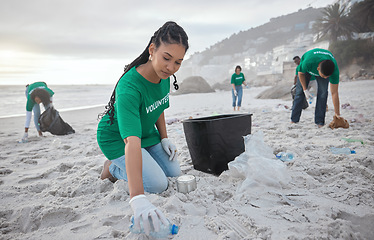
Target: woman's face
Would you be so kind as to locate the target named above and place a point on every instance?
(38, 100)
(237, 71)
(167, 59)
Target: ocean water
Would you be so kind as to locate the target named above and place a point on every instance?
(66, 97)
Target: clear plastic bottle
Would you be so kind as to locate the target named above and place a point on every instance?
(347, 151)
(311, 98)
(164, 232)
(285, 156)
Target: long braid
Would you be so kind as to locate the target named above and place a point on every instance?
(169, 33)
(109, 108)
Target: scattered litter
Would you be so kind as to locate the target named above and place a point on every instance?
(347, 106)
(339, 123)
(282, 107)
(258, 167)
(172, 120)
(353, 140)
(285, 156)
(346, 151)
(358, 119)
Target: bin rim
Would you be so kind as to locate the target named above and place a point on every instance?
(214, 117)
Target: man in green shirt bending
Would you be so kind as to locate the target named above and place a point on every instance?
(321, 64)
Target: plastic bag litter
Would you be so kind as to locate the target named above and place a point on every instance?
(258, 166)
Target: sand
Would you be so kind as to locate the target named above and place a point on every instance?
(50, 186)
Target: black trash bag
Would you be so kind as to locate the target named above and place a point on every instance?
(51, 121)
(293, 93)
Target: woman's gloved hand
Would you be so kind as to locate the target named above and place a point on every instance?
(143, 209)
(169, 148)
(235, 93)
(25, 138)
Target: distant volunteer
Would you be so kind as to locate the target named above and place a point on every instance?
(321, 64)
(237, 80)
(36, 93)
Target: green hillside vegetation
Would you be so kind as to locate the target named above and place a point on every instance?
(339, 23)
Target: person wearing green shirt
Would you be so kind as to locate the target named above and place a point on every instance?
(321, 64)
(237, 79)
(132, 131)
(36, 93)
(296, 60)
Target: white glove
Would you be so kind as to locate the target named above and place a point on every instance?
(25, 138)
(235, 93)
(169, 148)
(143, 209)
(307, 94)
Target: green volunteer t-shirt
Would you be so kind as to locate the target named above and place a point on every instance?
(310, 60)
(237, 79)
(30, 102)
(139, 103)
(312, 77)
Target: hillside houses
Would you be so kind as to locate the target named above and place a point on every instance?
(260, 51)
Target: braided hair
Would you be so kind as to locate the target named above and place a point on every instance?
(169, 33)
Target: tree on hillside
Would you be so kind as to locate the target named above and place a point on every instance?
(362, 14)
(335, 23)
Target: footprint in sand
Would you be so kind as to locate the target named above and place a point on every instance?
(77, 228)
(66, 147)
(63, 167)
(57, 217)
(37, 188)
(113, 220)
(29, 161)
(5, 171)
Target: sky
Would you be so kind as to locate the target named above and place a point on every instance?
(90, 41)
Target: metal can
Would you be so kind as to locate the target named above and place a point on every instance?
(186, 183)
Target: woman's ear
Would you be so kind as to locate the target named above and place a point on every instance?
(151, 49)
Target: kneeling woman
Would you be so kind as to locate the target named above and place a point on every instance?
(132, 133)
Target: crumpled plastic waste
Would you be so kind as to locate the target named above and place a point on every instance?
(258, 167)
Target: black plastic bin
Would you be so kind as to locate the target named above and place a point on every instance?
(215, 141)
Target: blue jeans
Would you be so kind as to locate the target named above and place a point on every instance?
(36, 111)
(322, 93)
(156, 168)
(239, 90)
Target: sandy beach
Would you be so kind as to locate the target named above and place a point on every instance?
(50, 187)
